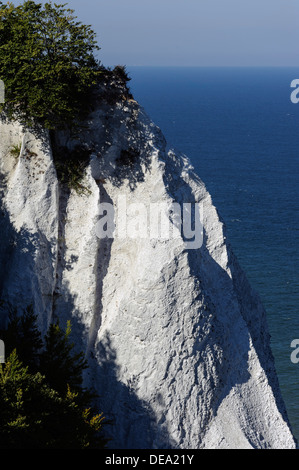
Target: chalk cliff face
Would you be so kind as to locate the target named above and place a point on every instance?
(176, 339)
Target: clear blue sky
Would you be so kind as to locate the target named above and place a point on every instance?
(193, 32)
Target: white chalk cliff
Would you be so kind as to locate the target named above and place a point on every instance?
(176, 339)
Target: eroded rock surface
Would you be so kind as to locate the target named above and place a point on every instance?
(176, 339)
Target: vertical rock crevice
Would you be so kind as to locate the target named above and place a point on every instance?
(102, 259)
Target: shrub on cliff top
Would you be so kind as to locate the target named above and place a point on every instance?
(47, 63)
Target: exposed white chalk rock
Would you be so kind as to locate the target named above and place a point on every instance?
(29, 193)
(176, 339)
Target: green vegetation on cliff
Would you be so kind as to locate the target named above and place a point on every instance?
(42, 402)
(47, 63)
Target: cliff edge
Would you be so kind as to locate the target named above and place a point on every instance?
(176, 339)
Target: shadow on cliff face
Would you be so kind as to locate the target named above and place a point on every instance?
(134, 158)
(122, 144)
(237, 323)
(231, 348)
(251, 312)
(238, 317)
(122, 166)
(7, 236)
(134, 424)
(233, 318)
(100, 271)
(129, 168)
(40, 133)
(19, 282)
(130, 422)
(133, 415)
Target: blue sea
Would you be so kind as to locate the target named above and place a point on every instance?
(240, 130)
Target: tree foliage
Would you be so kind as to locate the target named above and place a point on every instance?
(58, 361)
(42, 402)
(47, 63)
(23, 335)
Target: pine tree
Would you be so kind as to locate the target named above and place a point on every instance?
(35, 416)
(23, 335)
(42, 401)
(58, 361)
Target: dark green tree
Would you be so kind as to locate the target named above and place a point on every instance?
(47, 63)
(42, 401)
(62, 366)
(35, 416)
(23, 335)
